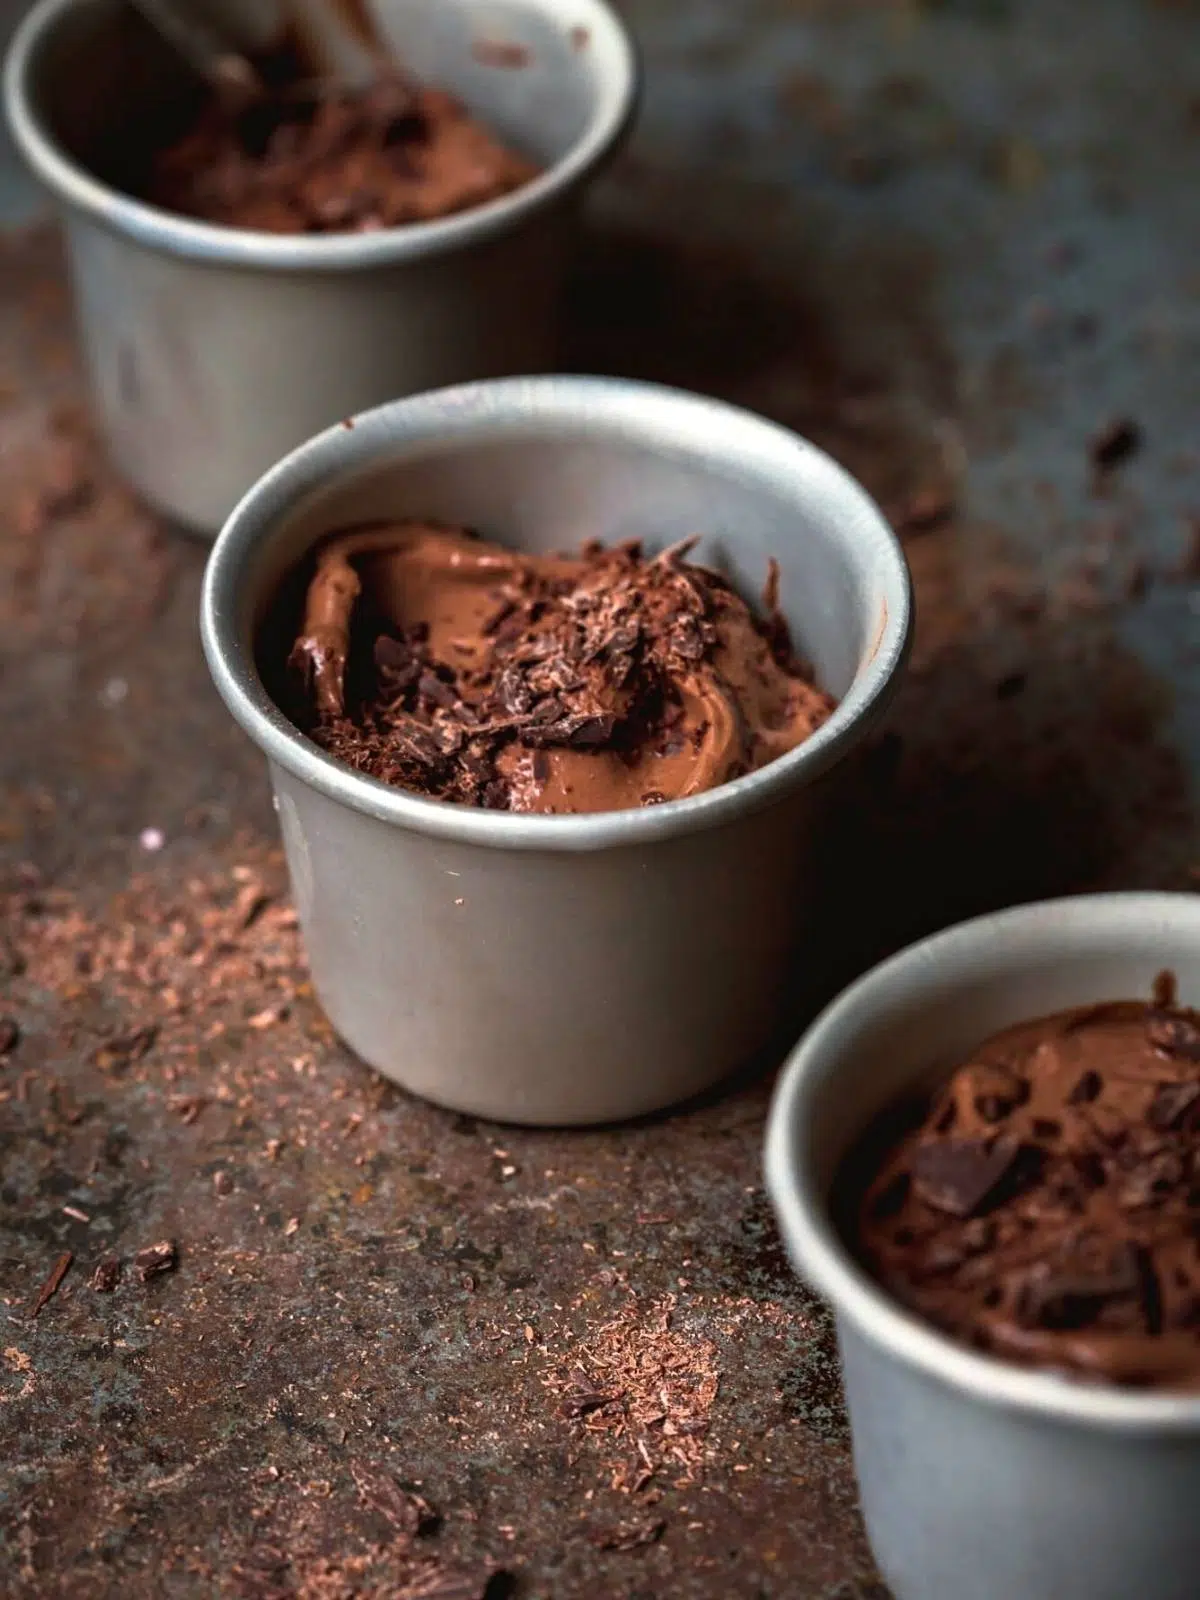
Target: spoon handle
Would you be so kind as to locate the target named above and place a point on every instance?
(227, 71)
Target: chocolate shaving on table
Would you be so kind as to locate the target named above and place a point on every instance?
(57, 1273)
(409, 1513)
(121, 1051)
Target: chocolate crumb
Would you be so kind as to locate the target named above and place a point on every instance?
(635, 1534)
(155, 1259)
(409, 1513)
(120, 1052)
(106, 1276)
(1116, 442)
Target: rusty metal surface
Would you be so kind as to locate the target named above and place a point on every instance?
(952, 242)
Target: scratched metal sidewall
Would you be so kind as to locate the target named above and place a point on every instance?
(205, 376)
(552, 988)
(981, 1480)
(211, 354)
(964, 1500)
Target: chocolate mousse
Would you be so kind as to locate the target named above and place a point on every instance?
(331, 159)
(553, 683)
(1045, 1206)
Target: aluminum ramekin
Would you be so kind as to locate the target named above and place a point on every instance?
(566, 969)
(981, 1480)
(213, 351)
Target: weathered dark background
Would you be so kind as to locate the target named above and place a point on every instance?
(955, 242)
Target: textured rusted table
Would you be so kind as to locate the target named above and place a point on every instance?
(395, 1349)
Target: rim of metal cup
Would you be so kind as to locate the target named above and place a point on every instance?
(514, 407)
(156, 229)
(801, 1201)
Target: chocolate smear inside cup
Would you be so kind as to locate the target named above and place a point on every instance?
(468, 672)
(327, 158)
(1045, 1205)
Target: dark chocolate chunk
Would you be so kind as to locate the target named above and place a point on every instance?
(996, 1091)
(431, 687)
(1067, 1298)
(580, 733)
(1175, 1036)
(1090, 1168)
(1151, 1181)
(416, 743)
(963, 1176)
(979, 1235)
(1172, 1105)
(1086, 1090)
(945, 1118)
(10, 1034)
(155, 1258)
(106, 1276)
(513, 692)
(1116, 442)
(581, 1405)
(503, 611)
(889, 1201)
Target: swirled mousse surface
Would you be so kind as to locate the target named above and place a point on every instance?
(335, 160)
(472, 673)
(1047, 1206)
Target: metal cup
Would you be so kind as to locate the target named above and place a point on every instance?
(567, 969)
(981, 1480)
(213, 351)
